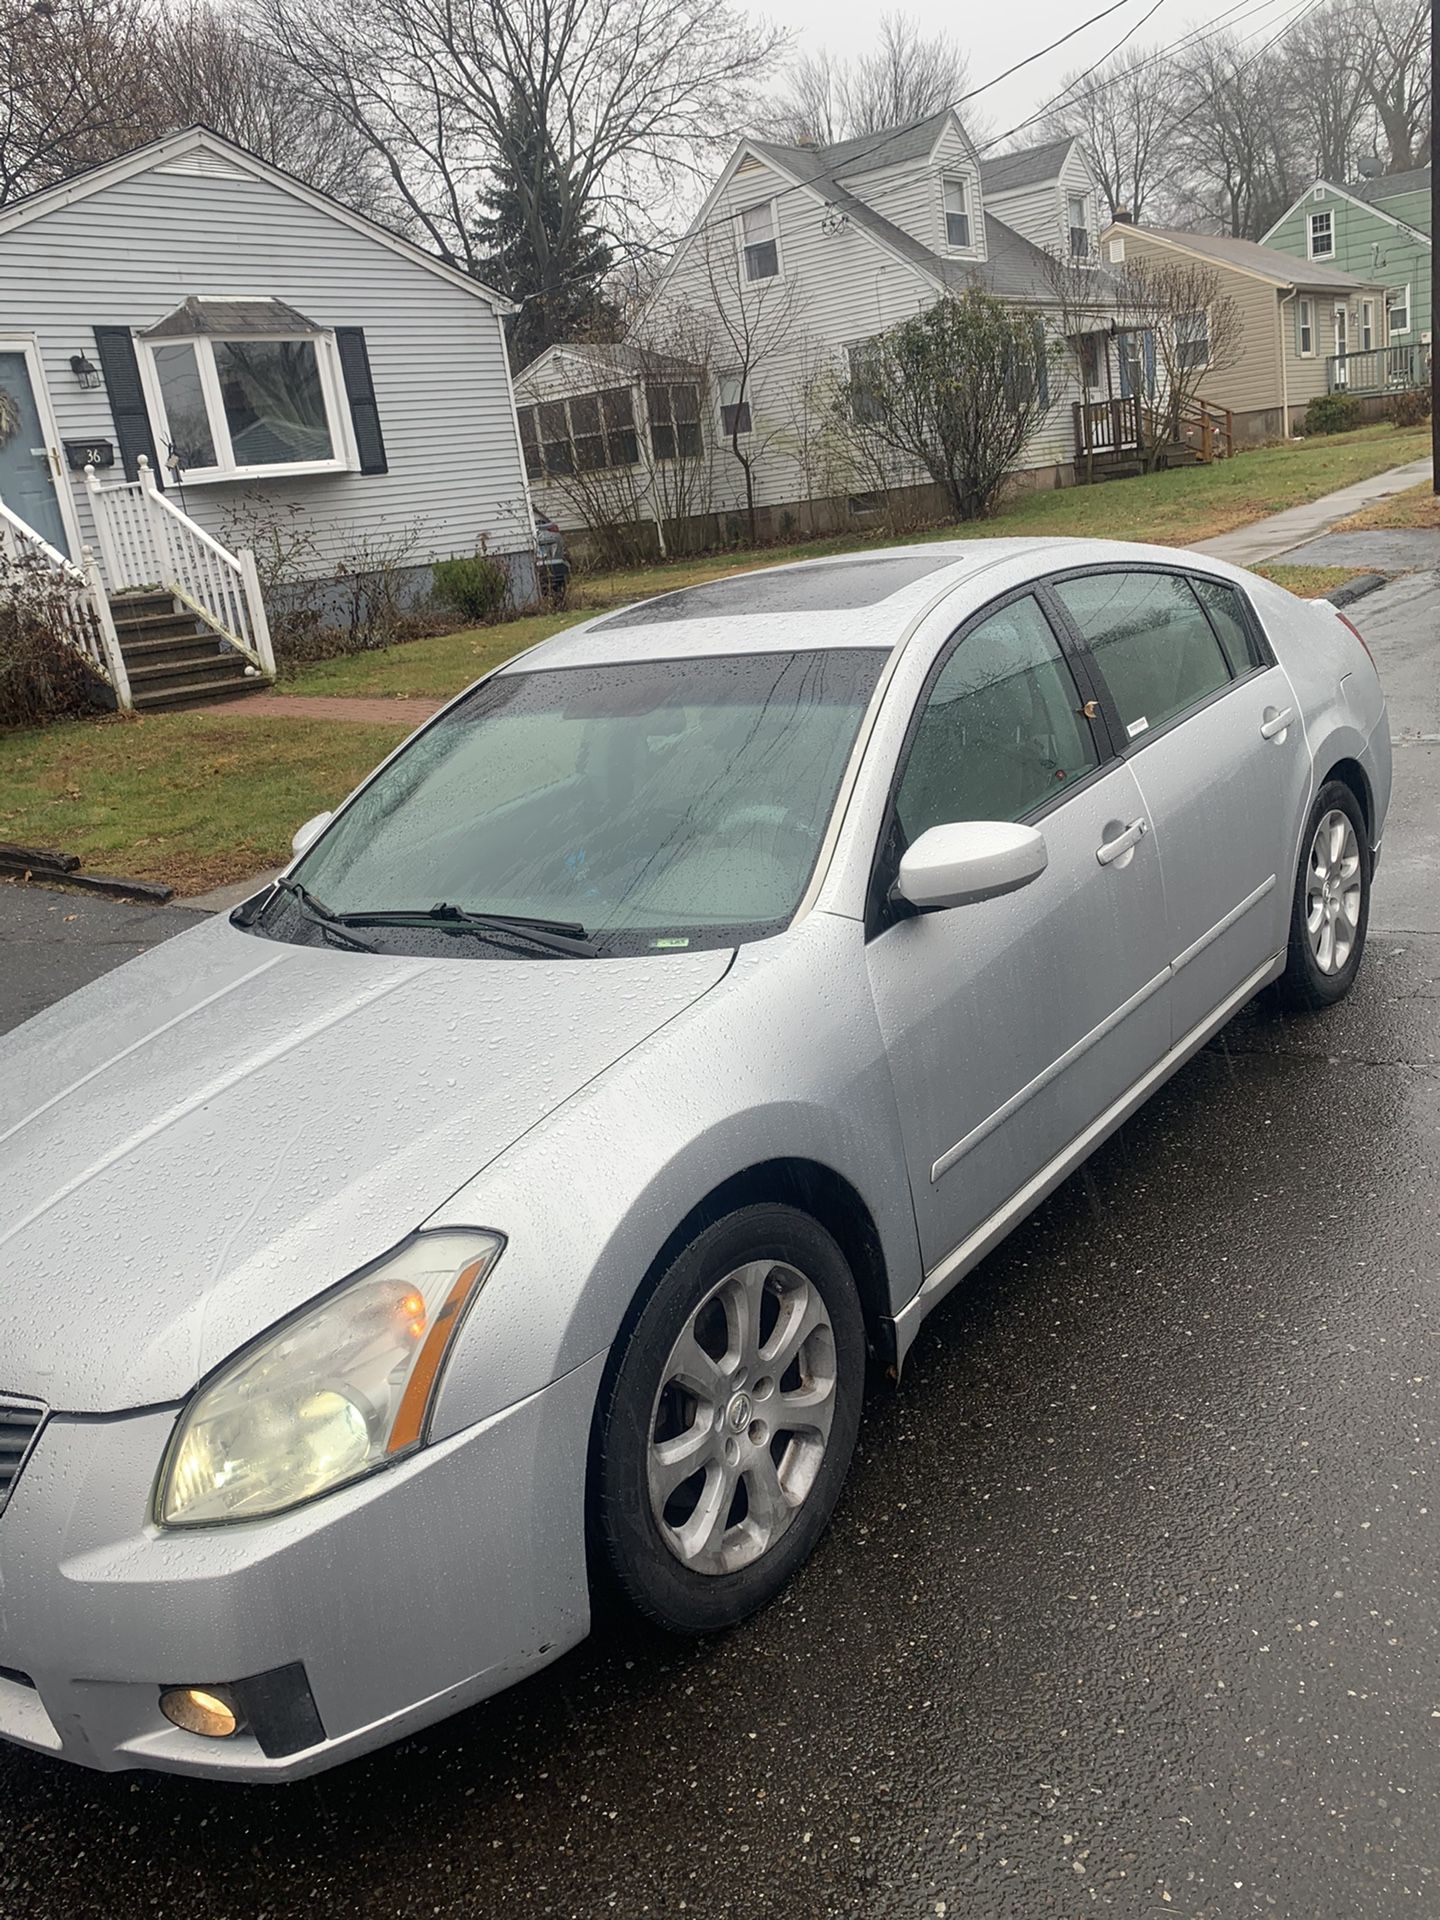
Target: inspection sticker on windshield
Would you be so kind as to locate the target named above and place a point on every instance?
(1137, 726)
(670, 943)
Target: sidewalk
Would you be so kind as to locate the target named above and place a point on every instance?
(1264, 539)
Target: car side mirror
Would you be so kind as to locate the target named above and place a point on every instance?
(306, 836)
(969, 860)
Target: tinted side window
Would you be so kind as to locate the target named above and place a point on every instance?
(1227, 616)
(1001, 729)
(1150, 639)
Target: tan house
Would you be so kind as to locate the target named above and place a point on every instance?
(1302, 321)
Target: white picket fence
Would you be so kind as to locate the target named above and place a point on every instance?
(147, 541)
(34, 572)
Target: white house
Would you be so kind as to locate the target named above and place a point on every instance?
(797, 258)
(194, 346)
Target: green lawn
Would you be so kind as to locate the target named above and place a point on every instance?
(1173, 509)
(192, 799)
(1309, 582)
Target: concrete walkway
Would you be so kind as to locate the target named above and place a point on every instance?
(1264, 539)
(396, 711)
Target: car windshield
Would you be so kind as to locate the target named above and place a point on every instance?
(641, 807)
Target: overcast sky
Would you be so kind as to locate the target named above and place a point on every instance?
(997, 33)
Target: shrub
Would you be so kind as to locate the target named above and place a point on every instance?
(473, 585)
(1332, 413)
(41, 676)
(1411, 408)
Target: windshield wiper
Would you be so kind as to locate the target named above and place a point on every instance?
(315, 910)
(555, 936)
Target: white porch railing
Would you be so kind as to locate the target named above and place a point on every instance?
(147, 541)
(34, 571)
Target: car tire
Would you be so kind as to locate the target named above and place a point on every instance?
(719, 1461)
(1330, 906)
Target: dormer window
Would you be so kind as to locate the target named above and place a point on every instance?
(1079, 209)
(759, 244)
(957, 212)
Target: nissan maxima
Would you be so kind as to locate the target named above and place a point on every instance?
(509, 1201)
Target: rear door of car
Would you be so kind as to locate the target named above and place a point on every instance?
(1207, 722)
(1011, 1023)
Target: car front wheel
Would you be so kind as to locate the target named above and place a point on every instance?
(730, 1419)
(1331, 906)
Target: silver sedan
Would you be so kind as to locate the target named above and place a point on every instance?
(511, 1199)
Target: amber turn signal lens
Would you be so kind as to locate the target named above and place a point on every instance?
(201, 1710)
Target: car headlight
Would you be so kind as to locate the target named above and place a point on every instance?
(338, 1389)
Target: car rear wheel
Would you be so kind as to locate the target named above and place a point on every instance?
(1331, 906)
(730, 1419)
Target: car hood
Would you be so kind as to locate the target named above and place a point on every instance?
(204, 1139)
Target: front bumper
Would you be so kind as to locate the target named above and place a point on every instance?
(401, 1598)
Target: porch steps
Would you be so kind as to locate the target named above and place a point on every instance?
(173, 659)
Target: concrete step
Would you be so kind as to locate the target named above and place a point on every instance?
(206, 666)
(152, 626)
(198, 691)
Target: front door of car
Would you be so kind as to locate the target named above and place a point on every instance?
(1011, 1023)
(1216, 744)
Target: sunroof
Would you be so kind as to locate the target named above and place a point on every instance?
(815, 589)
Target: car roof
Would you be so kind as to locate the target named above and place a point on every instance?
(869, 599)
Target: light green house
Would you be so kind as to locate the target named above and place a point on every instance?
(1377, 229)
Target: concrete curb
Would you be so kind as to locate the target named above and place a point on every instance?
(1351, 590)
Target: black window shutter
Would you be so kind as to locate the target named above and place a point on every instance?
(360, 392)
(120, 365)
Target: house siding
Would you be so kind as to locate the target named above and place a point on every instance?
(1369, 247)
(130, 252)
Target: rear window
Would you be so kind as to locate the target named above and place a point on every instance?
(1151, 641)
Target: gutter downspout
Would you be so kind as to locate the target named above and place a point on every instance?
(1284, 363)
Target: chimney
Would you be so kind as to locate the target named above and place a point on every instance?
(1124, 217)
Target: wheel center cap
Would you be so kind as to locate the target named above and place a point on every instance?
(739, 1412)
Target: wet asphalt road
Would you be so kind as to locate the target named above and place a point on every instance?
(1133, 1605)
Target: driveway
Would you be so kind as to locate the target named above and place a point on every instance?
(1133, 1606)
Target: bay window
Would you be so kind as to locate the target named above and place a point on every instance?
(249, 404)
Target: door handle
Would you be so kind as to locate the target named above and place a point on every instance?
(1123, 842)
(1277, 723)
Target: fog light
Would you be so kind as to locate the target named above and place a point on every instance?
(201, 1710)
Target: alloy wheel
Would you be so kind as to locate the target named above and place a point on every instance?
(742, 1418)
(1333, 885)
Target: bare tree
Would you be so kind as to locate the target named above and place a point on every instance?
(72, 87)
(1235, 145)
(1123, 115)
(207, 68)
(1392, 58)
(906, 76)
(755, 328)
(614, 102)
(1194, 329)
(1327, 90)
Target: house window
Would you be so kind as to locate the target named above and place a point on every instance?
(1079, 227)
(674, 412)
(863, 397)
(761, 249)
(957, 213)
(734, 405)
(1367, 325)
(1397, 310)
(222, 408)
(1192, 339)
(1305, 328)
(1322, 235)
(584, 434)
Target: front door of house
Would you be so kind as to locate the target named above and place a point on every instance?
(27, 477)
